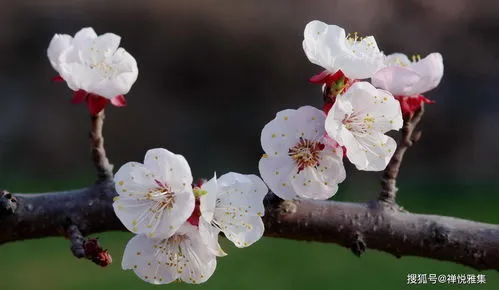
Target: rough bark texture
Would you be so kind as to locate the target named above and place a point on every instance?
(352, 225)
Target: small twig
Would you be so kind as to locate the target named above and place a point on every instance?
(77, 241)
(88, 248)
(409, 136)
(102, 165)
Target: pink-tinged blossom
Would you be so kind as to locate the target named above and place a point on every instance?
(408, 80)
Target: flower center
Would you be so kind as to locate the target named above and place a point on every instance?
(163, 196)
(306, 153)
(357, 124)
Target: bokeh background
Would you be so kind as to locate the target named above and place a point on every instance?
(212, 74)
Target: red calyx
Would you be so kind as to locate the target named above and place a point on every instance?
(410, 104)
(196, 214)
(335, 84)
(96, 103)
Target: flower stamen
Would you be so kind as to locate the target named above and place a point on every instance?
(306, 153)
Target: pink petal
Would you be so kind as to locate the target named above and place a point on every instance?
(79, 96)
(119, 101)
(96, 104)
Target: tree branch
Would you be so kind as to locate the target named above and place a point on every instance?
(407, 139)
(356, 226)
(99, 158)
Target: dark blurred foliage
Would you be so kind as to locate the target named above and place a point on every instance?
(213, 73)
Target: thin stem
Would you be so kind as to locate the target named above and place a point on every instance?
(99, 158)
(409, 137)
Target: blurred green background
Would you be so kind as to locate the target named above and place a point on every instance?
(212, 73)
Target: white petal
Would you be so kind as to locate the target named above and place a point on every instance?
(58, 44)
(321, 182)
(84, 35)
(245, 193)
(309, 123)
(313, 43)
(197, 261)
(244, 232)
(169, 168)
(133, 213)
(276, 172)
(209, 234)
(208, 200)
(134, 179)
(371, 153)
(279, 134)
(141, 256)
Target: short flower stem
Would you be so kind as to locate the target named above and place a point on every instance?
(99, 158)
(407, 139)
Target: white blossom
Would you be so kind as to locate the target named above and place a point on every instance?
(402, 77)
(232, 204)
(359, 120)
(155, 198)
(94, 64)
(298, 159)
(183, 256)
(329, 47)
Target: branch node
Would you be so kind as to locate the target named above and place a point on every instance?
(8, 203)
(288, 206)
(358, 246)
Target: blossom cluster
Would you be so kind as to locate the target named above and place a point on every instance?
(178, 223)
(304, 148)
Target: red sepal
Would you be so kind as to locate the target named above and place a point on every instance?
(326, 77)
(118, 101)
(57, 79)
(196, 214)
(410, 104)
(96, 104)
(79, 96)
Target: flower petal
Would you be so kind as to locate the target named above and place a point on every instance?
(58, 44)
(134, 179)
(371, 153)
(169, 168)
(407, 78)
(208, 200)
(279, 134)
(276, 171)
(209, 234)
